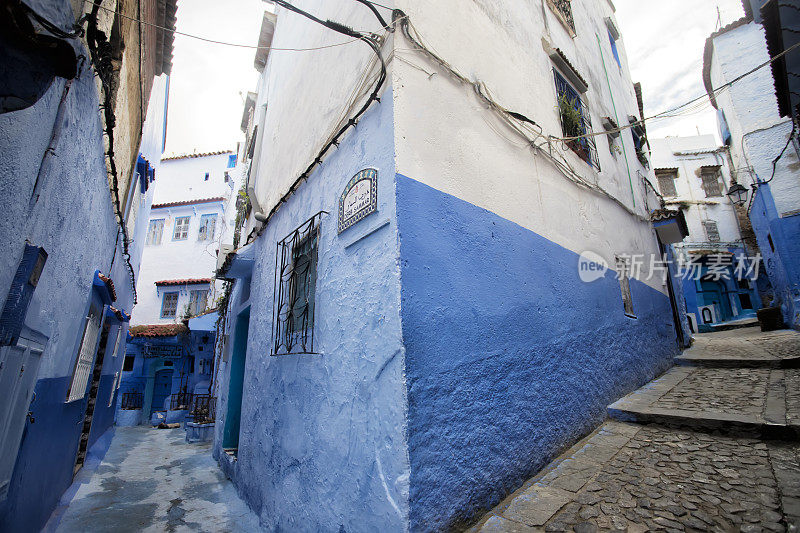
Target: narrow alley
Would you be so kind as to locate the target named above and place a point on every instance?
(710, 445)
(145, 479)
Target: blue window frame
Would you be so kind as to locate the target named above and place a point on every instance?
(231, 161)
(614, 49)
(584, 147)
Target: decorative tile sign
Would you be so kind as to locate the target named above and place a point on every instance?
(359, 199)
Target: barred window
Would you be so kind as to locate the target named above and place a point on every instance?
(181, 231)
(563, 11)
(712, 232)
(575, 121)
(623, 273)
(155, 231)
(666, 182)
(86, 353)
(711, 183)
(295, 289)
(208, 223)
(169, 305)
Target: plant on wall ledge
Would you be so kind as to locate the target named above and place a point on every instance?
(572, 125)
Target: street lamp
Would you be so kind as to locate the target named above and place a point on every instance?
(738, 195)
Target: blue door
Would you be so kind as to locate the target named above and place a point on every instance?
(162, 387)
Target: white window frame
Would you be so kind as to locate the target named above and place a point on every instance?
(208, 225)
(83, 365)
(180, 230)
(114, 388)
(164, 302)
(153, 237)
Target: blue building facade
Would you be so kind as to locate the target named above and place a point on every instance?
(66, 274)
(779, 240)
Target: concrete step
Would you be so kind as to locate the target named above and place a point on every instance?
(744, 348)
(737, 400)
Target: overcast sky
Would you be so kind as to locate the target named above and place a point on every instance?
(664, 41)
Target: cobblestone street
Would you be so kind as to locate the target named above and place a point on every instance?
(711, 445)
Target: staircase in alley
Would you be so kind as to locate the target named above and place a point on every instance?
(712, 444)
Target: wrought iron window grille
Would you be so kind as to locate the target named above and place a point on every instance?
(132, 401)
(295, 289)
(563, 9)
(585, 147)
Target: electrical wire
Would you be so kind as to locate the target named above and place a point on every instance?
(77, 29)
(775, 161)
(213, 41)
(374, 42)
(669, 112)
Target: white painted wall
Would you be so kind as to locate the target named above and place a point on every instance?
(503, 46)
(184, 179)
(295, 124)
(751, 109)
(667, 153)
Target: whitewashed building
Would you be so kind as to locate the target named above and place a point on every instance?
(693, 175)
(410, 333)
(758, 136)
(170, 359)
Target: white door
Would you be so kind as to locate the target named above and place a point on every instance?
(19, 366)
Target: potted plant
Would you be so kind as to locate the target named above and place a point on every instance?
(572, 125)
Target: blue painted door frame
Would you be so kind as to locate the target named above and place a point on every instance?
(230, 437)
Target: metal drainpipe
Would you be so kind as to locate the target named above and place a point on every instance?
(611, 93)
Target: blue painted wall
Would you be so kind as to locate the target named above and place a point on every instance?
(782, 255)
(322, 444)
(509, 356)
(74, 222)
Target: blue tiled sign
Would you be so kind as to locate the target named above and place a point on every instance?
(359, 199)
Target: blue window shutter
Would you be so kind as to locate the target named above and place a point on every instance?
(20, 294)
(231, 161)
(614, 49)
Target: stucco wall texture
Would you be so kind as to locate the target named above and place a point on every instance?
(73, 220)
(322, 443)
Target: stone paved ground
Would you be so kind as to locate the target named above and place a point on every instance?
(703, 466)
(151, 480)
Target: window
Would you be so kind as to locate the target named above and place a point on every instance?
(83, 366)
(117, 342)
(295, 290)
(198, 300)
(563, 11)
(712, 232)
(169, 305)
(710, 179)
(155, 231)
(666, 182)
(232, 160)
(575, 121)
(114, 388)
(207, 225)
(207, 176)
(614, 48)
(227, 176)
(623, 273)
(127, 363)
(181, 232)
(639, 139)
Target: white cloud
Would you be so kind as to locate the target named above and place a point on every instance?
(664, 42)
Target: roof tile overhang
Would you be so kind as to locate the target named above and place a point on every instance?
(166, 18)
(189, 202)
(560, 60)
(670, 225)
(194, 156)
(249, 104)
(782, 30)
(188, 281)
(159, 330)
